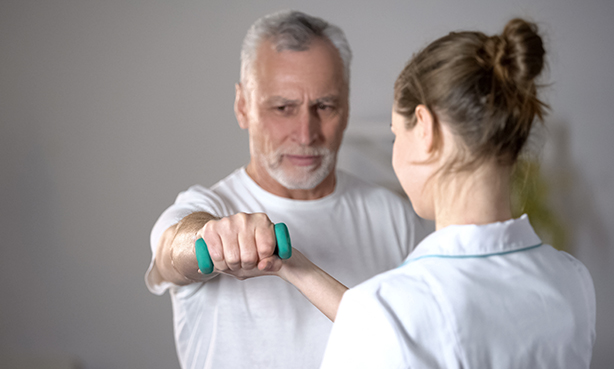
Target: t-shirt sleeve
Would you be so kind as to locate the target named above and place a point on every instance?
(195, 199)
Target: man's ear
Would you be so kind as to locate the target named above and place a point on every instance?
(241, 106)
(425, 123)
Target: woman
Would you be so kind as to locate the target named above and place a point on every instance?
(482, 291)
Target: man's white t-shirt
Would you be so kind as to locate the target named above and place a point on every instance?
(354, 233)
(469, 296)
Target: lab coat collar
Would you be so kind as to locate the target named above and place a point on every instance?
(478, 240)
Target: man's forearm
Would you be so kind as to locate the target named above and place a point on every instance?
(175, 257)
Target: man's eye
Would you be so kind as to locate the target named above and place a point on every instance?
(325, 107)
(284, 108)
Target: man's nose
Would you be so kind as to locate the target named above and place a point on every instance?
(308, 127)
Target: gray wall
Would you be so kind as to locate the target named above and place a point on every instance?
(109, 108)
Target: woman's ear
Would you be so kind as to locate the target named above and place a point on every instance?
(241, 107)
(425, 123)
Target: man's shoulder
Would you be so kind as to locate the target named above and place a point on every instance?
(384, 204)
(198, 192)
(233, 179)
(356, 186)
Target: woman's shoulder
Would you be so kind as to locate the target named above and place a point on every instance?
(395, 286)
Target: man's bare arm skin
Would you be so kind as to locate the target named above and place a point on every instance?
(176, 257)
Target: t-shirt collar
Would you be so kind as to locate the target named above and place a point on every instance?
(275, 200)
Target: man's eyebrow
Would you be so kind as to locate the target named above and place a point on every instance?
(279, 100)
(327, 99)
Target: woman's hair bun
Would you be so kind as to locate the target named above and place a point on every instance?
(484, 87)
(519, 52)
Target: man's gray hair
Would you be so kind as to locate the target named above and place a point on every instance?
(292, 30)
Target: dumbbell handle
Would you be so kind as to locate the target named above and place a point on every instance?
(283, 249)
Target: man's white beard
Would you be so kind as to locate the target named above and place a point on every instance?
(302, 178)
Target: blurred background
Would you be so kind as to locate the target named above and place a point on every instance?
(108, 109)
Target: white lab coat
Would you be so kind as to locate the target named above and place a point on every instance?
(469, 296)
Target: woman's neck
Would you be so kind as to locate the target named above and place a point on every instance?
(479, 197)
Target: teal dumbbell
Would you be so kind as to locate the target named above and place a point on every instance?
(283, 249)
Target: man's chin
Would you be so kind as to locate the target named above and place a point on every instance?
(304, 178)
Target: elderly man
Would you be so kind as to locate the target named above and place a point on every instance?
(293, 100)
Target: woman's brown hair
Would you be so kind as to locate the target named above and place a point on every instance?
(483, 87)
